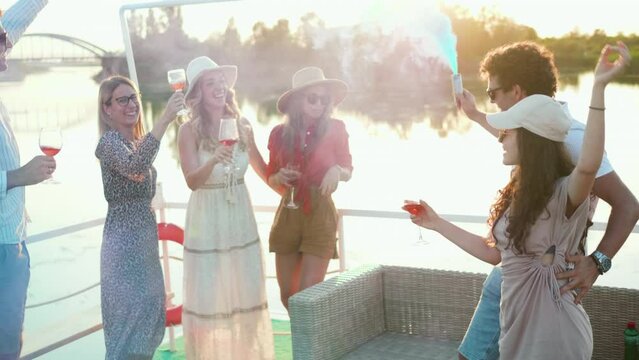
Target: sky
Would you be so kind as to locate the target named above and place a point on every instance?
(99, 21)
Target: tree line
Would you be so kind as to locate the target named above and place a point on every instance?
(390, 80)
(368, 60)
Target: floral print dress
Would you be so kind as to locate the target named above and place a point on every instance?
(132, 287)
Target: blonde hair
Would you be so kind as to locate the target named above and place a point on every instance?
(105, 98)
(199, 116)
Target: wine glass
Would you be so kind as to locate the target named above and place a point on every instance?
(291, 200)
(414, 209)
(177, 80)
(50, 142)
(228, 136)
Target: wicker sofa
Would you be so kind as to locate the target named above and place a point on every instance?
(393, 312)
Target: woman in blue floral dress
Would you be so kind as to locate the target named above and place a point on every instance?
(132, 287)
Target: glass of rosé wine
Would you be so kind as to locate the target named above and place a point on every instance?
(415, 208)
(291, 204)
(228, 136)
(50, 142)
(177, 80)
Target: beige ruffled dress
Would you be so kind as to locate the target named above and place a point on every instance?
(536, 322)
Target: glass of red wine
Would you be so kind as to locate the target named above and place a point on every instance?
(177, 80)
(415, 209)
(50, 142)
(228, 136)
(291, 200)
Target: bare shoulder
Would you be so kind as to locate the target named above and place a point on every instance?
(186, 131)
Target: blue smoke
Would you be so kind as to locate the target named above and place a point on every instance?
(448, 42)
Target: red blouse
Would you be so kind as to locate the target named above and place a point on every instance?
(316, 159)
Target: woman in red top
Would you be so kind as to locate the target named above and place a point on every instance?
(309, 155)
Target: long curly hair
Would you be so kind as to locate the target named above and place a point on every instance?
(541, 163)
(527, 64)
(200, 117)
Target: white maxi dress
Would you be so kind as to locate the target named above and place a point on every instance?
(225, 312)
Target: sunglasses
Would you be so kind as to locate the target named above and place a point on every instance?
(125, 100)
(492, 93)
(312, 99)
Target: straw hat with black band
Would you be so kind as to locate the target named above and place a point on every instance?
(311, 76)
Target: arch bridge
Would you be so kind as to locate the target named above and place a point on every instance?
(48, 49)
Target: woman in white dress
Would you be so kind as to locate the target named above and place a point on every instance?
(225, 312)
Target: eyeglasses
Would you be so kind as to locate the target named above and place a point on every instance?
(492, 93)
(125, 100)
(312, 99)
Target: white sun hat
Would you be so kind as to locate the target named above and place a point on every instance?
(200, 65)
(539, 114)
(310, 76)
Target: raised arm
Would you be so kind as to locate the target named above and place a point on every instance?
(173, 105)
(19, 16)
(581, 180)
(466, 102)
(114, 154)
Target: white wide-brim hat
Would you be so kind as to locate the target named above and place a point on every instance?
(311, 76)
(203, 64)
(539, 114)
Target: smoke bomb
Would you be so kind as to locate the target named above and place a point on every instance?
(458, 87)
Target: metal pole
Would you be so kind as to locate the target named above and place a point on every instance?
(128, 49)
(342, 246)
(133, 75)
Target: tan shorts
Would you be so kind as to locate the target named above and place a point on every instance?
(314, 233)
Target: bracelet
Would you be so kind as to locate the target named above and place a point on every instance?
(597, 108)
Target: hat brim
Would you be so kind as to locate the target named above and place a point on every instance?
(539, 114)
(229, 72)
(503, 120)
(338, 90)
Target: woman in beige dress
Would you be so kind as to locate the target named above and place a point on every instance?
(225, 312)
(539, 218)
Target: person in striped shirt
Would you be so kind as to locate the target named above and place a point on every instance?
(14, 257)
